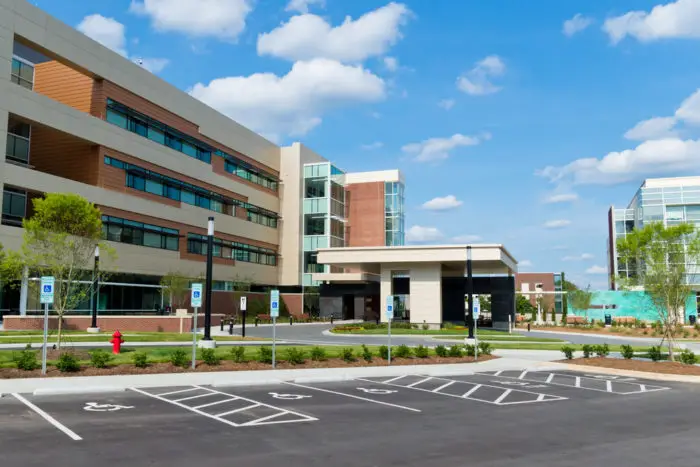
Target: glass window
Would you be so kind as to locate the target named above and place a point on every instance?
(14, 203)
(172, 192)
(315, 226)
(173, 142)
(154, 134)
(136, 182)
(116, 118)
(154, 187)
(217, 206)
(114, 233)
(204, 155)
(189, 150)
(152, 239)
(203, 202)
(315, 188)
(172, 243)
(22, 74)
(187, 197)
(17, 148)
(139, 127)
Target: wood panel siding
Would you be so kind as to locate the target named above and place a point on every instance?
(60, 154)
(366, 214)
(64, 84)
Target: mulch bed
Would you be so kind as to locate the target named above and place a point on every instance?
(227, 365)
(669, 368)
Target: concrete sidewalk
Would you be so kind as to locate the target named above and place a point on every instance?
(94, 384)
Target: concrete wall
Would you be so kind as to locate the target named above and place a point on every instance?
(426, 293)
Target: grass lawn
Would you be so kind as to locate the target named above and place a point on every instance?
(36, 337)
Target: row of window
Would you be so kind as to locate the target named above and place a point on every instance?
(120, 230)
(197, 244)
(131, 120)
(168, 187)
(22, 73)
(14, 206)
(17, 145)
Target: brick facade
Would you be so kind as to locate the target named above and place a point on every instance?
(365, 214)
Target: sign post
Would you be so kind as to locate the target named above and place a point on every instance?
(475, 316)
(389, 317)
(244, 305)
(274, 313)
(196, 302)
(47, 293)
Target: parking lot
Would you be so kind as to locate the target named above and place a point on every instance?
(505, 418)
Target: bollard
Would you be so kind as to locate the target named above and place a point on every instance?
(377, 320)
(528, 327)
(331, 319)
(230, 328)
(256, 321)
(290, 320)
(222, 325)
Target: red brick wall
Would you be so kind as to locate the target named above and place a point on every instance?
(110, 323)
(532, 278)
(366, 214)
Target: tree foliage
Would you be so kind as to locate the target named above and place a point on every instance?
(658, 256)
(59, 241)
(523, 306)
(175, 286)
(485, 303)
(580, 299)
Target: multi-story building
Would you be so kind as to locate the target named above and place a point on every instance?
(541, 288)
(77, 117)
(668, 200)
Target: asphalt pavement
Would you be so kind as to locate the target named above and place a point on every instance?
(500, 418)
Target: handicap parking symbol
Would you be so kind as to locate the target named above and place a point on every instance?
(377, 391)
(47, 289)
(95, 407)
(195, 294)
(288, 397)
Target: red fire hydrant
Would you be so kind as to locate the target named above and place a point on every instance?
(116, 342)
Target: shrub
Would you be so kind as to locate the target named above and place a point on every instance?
(654, 353)
(425, 326)
(366, 353)
(456, 351)
(422, 351)
(602, 350)
(587, 349)
(643, 324)
(100, 358)
(485, 348)
(600, 324)
(441, 351)
(470, 350)
(688, 357)
(210, 357)
(568, 352)
(26, 360)
(403, 351)
(686, 334)
(645, 332)
(295, 356)
(265, 354)
(178, 357)
(626, 351)
(238, 354)
(697, 326)
(318, 354)
(384, 352)
(347, 355)
(140, 359)
(67, 363)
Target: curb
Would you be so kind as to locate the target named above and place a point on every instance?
(630, 373)
(264, 382)
(321, 379)
(76, 390)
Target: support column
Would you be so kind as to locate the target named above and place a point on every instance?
(385, 289)
(426, 294)
(24, 292)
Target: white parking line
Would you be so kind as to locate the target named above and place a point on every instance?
(419, 382)
(469, 393)
(177, 392)
(353, 396)
(438, 389)
(505, 394)
(212, 403)
(394, 379)
(193, 397)
(237, 410)
(48, 418)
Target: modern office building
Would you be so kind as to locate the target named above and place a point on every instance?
(541, 288)
(77, 117)
(668, 200)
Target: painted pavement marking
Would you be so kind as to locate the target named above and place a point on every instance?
(48, 418)
(352, 396)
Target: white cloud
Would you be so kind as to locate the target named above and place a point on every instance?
(654, 128)
(442, 204)
(576, 24)
(112, 34)
(420, 234)
(372, 146)
(302, 6)
(446, 104)
(526, 263)
(557, 224)
(391, 63)
(654, 157)
(596, 270)
(477, 81)
(307, 36)
(581, 257)
(679, 19)
(224, 19)
(436, 149)
(107, 31)
(466, 238)
(294, 103)
(561, 198)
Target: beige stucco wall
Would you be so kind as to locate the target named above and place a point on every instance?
(28, 21)
(426, 293)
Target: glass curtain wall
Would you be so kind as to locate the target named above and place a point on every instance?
(394, 214)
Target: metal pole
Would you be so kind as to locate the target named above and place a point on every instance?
(210, 261)
(95, 287)
(46, 338)
(194, 338)
(470, 293)
(476, 343)
(274, 335)
(389, 327)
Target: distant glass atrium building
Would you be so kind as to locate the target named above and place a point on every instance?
(668, 200)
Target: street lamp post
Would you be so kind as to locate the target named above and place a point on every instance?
(210, 260)
(95, 291)
(470, 293)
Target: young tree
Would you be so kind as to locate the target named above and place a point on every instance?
(544, 302)
(524, 307)
(658, 257)
(554, 315)
(485, 303)
(580, 299)
(59, 241)
(175, 286)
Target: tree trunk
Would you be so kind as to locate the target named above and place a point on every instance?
(60, 331)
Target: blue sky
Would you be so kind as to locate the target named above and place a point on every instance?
(516, 122)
